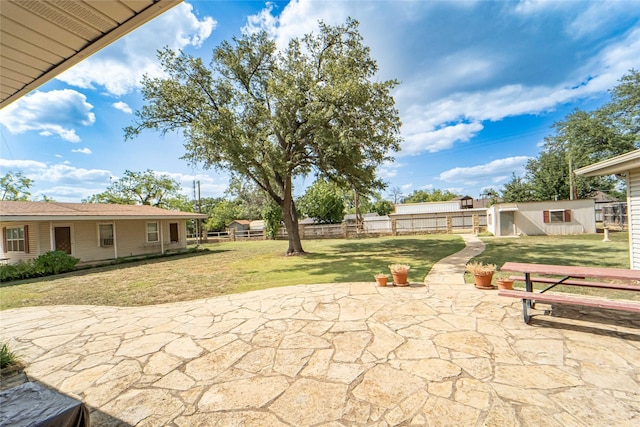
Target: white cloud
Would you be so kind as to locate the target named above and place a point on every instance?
(57, 112)
(82, 150)
(496, 171)
(120, 67)
(56, 173)
(122, 106)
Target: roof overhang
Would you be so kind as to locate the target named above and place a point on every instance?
(34, 218)
(612, 166)
(41, 39)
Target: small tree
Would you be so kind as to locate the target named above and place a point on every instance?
(270, 116)
(322, 202)
(435, 195)
(272, 217)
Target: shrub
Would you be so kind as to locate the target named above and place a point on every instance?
(54, 262)
(21, 270)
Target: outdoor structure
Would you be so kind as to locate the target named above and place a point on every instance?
(90, 232)
(627, 168)
(452, 216)
(239, 225)
(542, 218)
(41, 39)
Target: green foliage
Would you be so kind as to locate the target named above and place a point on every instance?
(8, 358)
(272, 217)
(52, 262)
(251, 200)
(382, 207)
(517, 190)
(144, 188)
(14, 186)
(323, 202)
(221, 215)
(20, 270)
(435, 195)
(270, 115)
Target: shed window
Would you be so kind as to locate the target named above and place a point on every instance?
(556, 216)
(152, 232)
(105, 235)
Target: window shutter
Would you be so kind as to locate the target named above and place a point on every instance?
(545, 217)
(4, 239)
(567, 215)
(26, 239)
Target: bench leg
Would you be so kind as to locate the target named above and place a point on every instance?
(525, 310)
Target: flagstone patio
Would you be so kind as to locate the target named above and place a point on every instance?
(436, 354)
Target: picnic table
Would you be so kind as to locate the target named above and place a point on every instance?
(571, 276)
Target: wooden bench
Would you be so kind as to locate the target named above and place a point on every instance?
(529, 298)
(571, 282)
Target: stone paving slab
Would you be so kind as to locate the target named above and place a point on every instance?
(436, 354)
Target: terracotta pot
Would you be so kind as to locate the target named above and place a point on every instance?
(400, 279)
(483, 280)
(382, 281)
(504, 284)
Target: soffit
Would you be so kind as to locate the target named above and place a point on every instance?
(39, 39)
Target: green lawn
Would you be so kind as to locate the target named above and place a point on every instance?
(583, 249)
(230, 268)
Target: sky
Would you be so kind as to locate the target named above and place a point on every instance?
(481, 84)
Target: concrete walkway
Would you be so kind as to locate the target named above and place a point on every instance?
(436, 354)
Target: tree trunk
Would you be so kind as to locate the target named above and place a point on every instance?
(291, 224)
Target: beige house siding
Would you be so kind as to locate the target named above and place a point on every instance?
(130, 239)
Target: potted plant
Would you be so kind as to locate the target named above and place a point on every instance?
(504, 283)
(381, 279)
(399, 273)
(482, 274)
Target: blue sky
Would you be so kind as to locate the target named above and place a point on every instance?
(481, 84)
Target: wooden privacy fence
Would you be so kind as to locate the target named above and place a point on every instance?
(371, 226)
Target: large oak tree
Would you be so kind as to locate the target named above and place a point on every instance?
(271, 115)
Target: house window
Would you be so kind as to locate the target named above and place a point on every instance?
(173, 232)
(15, 239)
(105, 237)
(556, 216)
(152, 232)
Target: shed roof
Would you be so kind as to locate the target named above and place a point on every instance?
(46, 211)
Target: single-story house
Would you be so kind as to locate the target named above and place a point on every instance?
(90, 232)
(257, 225)
(627, 168)
(560, 217)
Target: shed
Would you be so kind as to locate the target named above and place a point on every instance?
(239, 225)
(627, 168)
(552, 217)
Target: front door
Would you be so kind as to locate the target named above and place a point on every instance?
(63, 239)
